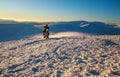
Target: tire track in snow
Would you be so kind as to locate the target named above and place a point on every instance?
(56, 49)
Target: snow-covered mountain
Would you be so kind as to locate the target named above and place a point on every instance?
(92, 28)
(4, 21)
(17, 31)
(20, 30)
(74, 49)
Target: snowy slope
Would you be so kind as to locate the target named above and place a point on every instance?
(10, 32)
(91, 28)
(71, 51)
(17, 31)
(63, 56)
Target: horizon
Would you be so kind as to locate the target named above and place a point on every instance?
(63, 10)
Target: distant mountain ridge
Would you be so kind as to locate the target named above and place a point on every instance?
(93, 28)
(4, 21)
(13, 30)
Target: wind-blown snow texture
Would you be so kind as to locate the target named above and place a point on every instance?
(68, 52)
(61, 57)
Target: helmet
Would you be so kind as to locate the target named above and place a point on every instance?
(46, 25)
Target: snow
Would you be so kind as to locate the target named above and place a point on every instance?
(65, 34)
(67, 53)
(83, 25)
(68, 56)
(10, 32)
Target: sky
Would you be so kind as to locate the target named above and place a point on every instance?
(61, 10)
